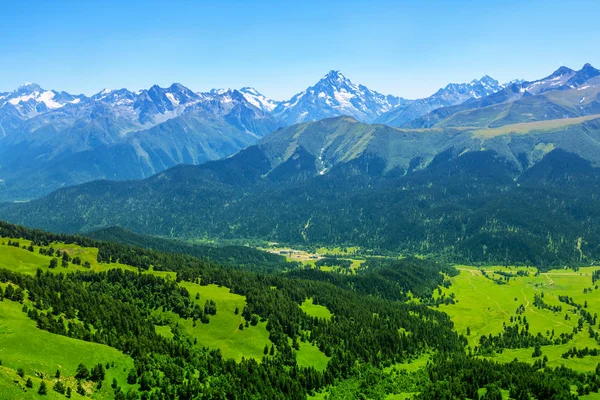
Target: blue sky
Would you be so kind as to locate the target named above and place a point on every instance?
(406, 48)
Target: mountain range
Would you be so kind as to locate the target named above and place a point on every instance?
(509, 177)
(51, 139)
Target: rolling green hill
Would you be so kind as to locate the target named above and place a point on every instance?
(192, 328)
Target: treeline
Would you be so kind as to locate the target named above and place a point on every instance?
(387, 278)
(457, 376)
(517, 336)
(234, 256)
(333, 262)
(538, 301)
(140, 252)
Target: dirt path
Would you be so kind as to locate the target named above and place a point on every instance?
(488, 297)
(525, 296)
(550, 281)
(472, 271)
(540, 314)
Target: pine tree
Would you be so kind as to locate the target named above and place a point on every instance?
(59, 387)
(82, 372)
(43, 390)
(80, 389)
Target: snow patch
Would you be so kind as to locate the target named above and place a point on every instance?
(172, 99)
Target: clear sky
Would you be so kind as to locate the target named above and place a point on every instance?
(406, 48)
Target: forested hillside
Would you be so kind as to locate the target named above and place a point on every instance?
(130, 309)
(525, 198)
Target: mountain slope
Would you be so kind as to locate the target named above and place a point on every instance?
(338, 181)
(117, 134)
(551, 87)
(452, 94)
(335, 95)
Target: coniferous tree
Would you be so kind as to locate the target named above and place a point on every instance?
(82, 372)
(43, 390)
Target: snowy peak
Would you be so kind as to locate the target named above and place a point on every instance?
(115, 98)
(586, 73)
(258, 100)
(335, 95)
(562, 79)
(456, 93)
(30, 100)
(158, 104)
(561, 71)
(335, 78)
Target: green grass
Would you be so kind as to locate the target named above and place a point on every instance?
(223, 331)
(484, 306)
(13, 387)
(310, 356)
(528, 127)
(164, 331)
(411, 366)
(337, 251)
(316, 310)
(23, 261)
(23, 345)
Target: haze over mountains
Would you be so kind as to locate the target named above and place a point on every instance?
(51, 139)
(504, 177)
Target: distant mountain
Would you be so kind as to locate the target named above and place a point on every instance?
(117, 134)
(31, 100)
(51, 139)
(560, 83)
(335, 95)
(452, 94)
(258, 100)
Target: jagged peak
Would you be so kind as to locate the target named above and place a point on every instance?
(29, 87)
(334, 76)
(179, 87)
(219, 91)
(249, 89)
(561, 71)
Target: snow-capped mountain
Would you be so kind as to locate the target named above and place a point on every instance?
(259, 100)
(582, 76)
(118, 134)
(563, 78)
(332, 96)
(553, 81)
(456, 93)
(450, 95)
(30, 100)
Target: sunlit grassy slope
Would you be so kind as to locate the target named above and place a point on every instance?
(23, 345)
(484, 306)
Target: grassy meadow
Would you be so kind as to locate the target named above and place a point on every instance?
(483, 306)
(316, 310)
(40, 353)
